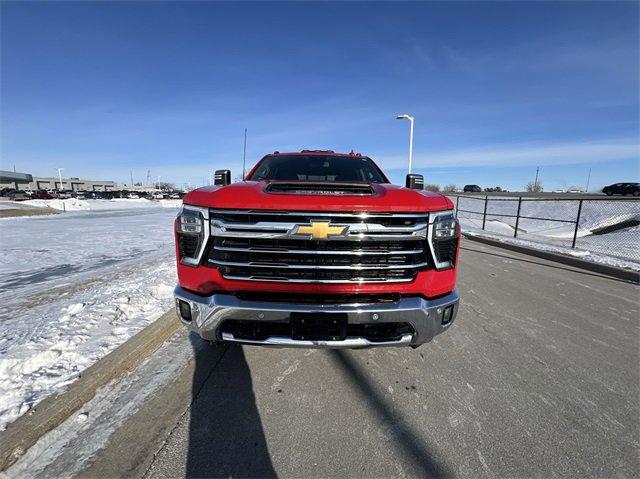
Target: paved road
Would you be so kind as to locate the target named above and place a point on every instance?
(538, 377)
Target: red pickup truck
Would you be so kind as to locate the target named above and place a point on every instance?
(316, 249)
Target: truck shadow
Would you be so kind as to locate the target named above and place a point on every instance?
(414, 449)
(226, 438)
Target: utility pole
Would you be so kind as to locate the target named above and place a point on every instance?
(244, 155)
(158, 181)
(586, 190)
(535, 183)
(131, 173)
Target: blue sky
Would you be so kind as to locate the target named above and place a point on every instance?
(496, 88)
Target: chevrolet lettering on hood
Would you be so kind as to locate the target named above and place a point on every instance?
(317, 249)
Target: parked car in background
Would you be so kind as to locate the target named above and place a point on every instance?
(6, 191)
(175, 196)
(622, 189)
(559, 191)
(63, 194)
(472, 189)
(41, 195)
(99, 195)
(18, 195)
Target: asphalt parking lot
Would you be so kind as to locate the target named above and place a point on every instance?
(538, 377)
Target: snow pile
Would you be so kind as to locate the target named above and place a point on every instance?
(74, 204)
(130, 200)
(75, 330)
(171, 203)
(74, 287)
(69, 204)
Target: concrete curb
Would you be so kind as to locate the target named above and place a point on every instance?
(25, 431)
(615, 272)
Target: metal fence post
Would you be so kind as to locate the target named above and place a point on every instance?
(484, 215)
(575, 232)
(457, 201)
(515, 232)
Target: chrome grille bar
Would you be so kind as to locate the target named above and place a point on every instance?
(357, 231)
(317, 267)
(318, 252)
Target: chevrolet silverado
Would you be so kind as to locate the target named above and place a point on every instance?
(316, 249)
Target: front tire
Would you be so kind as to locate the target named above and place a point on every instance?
(609, 193)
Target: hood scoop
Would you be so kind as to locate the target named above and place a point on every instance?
(320, 189)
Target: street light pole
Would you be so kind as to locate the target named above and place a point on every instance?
(410, 118)
(60, 176)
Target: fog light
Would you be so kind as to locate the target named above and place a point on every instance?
(184, 310)
(447, 314)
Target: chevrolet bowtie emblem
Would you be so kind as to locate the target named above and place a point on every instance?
(320, 230)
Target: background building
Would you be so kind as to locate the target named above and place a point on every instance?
(25, 181)
(11, 179)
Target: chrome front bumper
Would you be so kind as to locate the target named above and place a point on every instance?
(425, 316)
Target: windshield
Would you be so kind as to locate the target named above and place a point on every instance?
(318, 168)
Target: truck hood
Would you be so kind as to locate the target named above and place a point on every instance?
(254, 195)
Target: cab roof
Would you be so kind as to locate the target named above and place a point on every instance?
(316, 152)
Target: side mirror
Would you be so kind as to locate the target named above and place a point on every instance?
(222, 177)
(415, 182)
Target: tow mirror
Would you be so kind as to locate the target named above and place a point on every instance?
(415, 182)
(222, 177)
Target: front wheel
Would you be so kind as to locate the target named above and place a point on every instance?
(609, 193)
(636, 193)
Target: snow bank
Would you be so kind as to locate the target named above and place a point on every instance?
(171, 203)
(74, 204)
(98, 278)
(70, 204)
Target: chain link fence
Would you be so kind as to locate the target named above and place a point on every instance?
(609, 227)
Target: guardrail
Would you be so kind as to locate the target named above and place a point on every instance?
(577, 220)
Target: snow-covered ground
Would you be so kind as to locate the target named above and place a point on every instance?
(617, 248)
(73, 287)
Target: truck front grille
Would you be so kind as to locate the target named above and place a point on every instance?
(266, 246)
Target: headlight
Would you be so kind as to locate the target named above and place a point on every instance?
(443, 239)
(190, 222)
(445, 228)
(192, 228)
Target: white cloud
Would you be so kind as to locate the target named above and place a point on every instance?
(523, 155)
